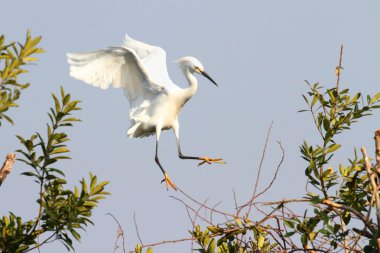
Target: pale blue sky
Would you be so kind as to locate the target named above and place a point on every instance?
(259, 52)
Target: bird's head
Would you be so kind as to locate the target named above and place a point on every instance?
(194, 66)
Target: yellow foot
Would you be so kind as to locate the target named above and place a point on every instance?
(211, 160)
(169, 182)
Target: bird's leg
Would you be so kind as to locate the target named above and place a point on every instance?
(204, 159)
(166, 179)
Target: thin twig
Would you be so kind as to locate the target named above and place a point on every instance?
(344, 229)
(213, 208)
(235, 201)
(284, 201)
(377, 146)
(358, 214)
(275, 174)
(120, 233)
(137, 229)
(280, 234)
(308, 250)
(249, 203)
(201, 204)
(261, 162)
(199, 209)
(371, 176)
(187, 239)
(339, 67)
(192, 209)
(193, 227)
(47, 240)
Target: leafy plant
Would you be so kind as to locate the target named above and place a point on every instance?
(13, 59)
(62, 213)
(333, 112)
(341, 203)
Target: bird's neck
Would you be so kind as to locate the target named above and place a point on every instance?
(193, 84)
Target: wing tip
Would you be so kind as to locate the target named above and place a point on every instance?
(127, 38)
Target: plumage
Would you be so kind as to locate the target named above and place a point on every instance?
(140, 69)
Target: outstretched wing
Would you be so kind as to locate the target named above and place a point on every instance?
(116, 66)
(154, 60)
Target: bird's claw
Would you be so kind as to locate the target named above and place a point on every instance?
(211, 160)
(168, 182)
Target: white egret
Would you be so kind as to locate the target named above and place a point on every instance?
(155, 101)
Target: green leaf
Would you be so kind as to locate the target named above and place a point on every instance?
(59, 150)
(312, 236)
(326, 124)
(138, 248)
(62, 92)
(211, 246)
(333, 148)
(75, 234)
(375, 98)
(305, 98)
(290, 234)
(93, 182)
(8, 119)
(22, 248)
(304, 239)
(66, 99)
(260, 241)
(289, 224)
(98, 188)
(71, 106)
(56, 102)
(29, 174)
(315, 99)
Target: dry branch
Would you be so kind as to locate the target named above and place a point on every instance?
(120, 234)
(355, 212)
(7, 166)
(372, 177)
(339, 67)
(377, 145)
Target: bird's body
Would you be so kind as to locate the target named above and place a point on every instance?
(155, 101)
(163, 109)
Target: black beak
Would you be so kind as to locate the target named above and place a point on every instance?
(208, 77)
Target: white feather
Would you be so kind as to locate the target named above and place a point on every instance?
(140, 69)
(154, 60)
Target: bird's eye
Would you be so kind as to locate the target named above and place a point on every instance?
(197, 69)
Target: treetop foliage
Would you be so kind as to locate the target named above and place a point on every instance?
(62, 213)
(13, 59)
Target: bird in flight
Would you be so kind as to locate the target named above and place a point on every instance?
(155, 101)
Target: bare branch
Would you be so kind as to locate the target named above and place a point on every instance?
(202, 204)
(120, 233)
(213, 208)
(339, 67)
(137, 229)
(186, 239)
(285, 201)
(261, 162)
(192, 209)
(249, 203)
(363, 232)
(235, 201)
(275, 174)
(358, 214)
(7, 166)
(377, 145)
(371, 176)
